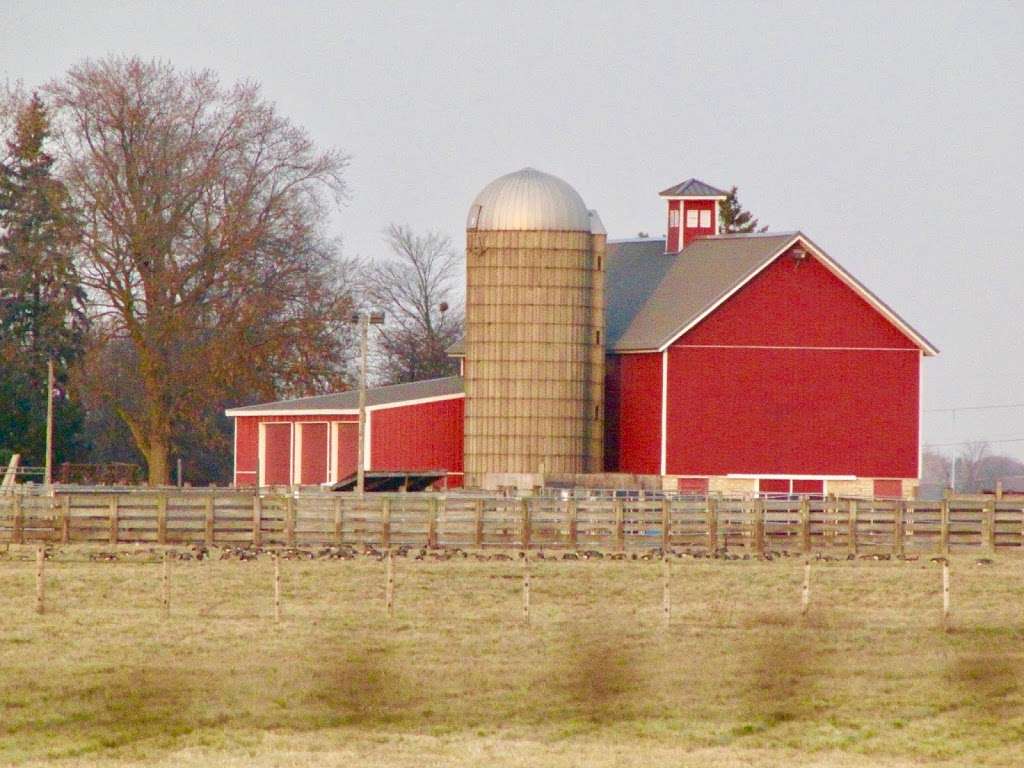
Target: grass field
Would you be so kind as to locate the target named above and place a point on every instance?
(867, 679)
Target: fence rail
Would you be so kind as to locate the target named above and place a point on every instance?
(236, 518)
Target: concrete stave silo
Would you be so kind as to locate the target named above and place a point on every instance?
(534, 346)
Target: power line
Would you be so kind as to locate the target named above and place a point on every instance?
(1002, 406)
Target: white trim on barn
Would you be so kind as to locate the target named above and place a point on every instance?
(763, 476)
(417, 401)
(280, 412)
(798, 347)
(664, 410)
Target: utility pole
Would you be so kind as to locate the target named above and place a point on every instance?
(364, 320)
(48, 474)
(364, 332)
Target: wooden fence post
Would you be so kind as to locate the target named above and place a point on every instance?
(805, 598)
(852, 530)
(526, 522)
(18, 532)
(574, 534)
(389, 586)
(209, 521)
(944, 527)
(805, 526)
(257, 519)
(277, 588)
(40, 559)
(945, 595)
(526, 588)
(289, 520)
(113, 520)
(65, 519)
(666, 598)
(385, 524)
(666, 525)
(759, 514)
(432, 524)
(478, 524)
(830, 522)
(897, 528)
(620, 525)
(712, 523)
(338, 523)
(988, 527)
(165, 585)
(161, 518)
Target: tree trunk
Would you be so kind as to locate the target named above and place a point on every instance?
(158, 457)
(155, 444)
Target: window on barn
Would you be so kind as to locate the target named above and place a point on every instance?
(692, 218)
(705, 219)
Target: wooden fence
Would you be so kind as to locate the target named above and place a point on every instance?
(238, 518)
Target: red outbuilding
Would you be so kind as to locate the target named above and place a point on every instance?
(736, 363)
(413, 427)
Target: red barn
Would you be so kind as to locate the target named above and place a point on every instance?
(735, 363)
(314, 440)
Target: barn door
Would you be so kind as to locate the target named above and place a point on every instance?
(314, 462)
(276, 454)
(348, 449)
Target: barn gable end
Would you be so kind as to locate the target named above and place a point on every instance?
(796, 300)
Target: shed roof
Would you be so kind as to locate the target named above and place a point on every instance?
(693, 188)
(348, 401)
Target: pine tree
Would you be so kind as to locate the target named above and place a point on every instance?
(41, 301)
(733, 219)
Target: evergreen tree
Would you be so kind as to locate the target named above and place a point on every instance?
(733, 219)
(42, 313)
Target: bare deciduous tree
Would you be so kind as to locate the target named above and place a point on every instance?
(935, 469)
(969, 466)
(202, 211)
(415, 286)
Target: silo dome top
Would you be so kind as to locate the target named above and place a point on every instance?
(529, 199)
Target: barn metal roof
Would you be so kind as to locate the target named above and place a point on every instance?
(526, 200)
(634, 269)
(342, 402)
(693, 188)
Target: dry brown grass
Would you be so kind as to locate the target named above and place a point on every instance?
(739, 678)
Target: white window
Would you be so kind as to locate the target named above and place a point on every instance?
(673, 217)
(705, 219)
(691, 218)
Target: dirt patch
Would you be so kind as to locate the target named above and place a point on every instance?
(596, 677)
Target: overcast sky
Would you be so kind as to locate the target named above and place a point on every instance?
(890, 133)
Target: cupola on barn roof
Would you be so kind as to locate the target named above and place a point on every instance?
(529, 200)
